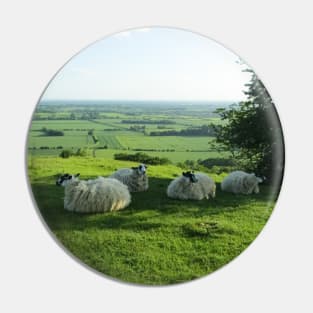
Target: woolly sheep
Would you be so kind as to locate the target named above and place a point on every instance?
(134, 178)
(240, 182)
(191, 186)
(93, 196)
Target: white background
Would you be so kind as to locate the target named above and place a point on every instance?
(275, 273)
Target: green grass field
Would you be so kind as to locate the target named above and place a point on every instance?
(155, 240)
(113, 125)
(65, 124)
(136, 141)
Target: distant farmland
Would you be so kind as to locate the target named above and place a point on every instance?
(119, 132)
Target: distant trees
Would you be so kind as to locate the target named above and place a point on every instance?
(204, 130)
(93, 136)
(137, 128)
(81, 152)
(252, 132)
(51, 132)
(66, 154)
(50, 115)
(95, 139)
(90, 115)
(147, 121)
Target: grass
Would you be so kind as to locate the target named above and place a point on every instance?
(65, 124)
(165, 142)
(66, 141)
(156, 240)
(110, 140)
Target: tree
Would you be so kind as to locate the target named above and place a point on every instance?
(66, 154)
(252, 132)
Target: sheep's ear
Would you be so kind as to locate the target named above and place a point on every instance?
(77, 175)
(69, 177)
(184, 174)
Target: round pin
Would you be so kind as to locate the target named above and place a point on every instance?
(155, 156)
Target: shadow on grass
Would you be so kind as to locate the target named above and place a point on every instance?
(145, 206)
(206, 229)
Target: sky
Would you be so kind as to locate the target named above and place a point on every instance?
(151, 64)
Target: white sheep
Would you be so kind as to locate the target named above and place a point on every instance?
(240, 182)
(134, 178)
(95, 195)
(191, 186)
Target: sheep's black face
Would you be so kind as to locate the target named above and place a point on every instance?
(141, 169)
(62, 179)
(191, 176)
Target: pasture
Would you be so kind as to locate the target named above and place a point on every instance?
(156, 240)
(123, 128)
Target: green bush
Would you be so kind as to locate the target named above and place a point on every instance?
(51, 132)
(66, 154)
(141, 157)
(216, 162)
(217, 165)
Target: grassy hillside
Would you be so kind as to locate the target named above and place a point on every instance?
(155, 240)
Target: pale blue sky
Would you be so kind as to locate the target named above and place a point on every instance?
(151, 64)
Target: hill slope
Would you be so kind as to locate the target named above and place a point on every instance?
(155, 240)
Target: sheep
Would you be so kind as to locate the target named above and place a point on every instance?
(240, 182)
(93, 196)
(191, 186)
(134, 178)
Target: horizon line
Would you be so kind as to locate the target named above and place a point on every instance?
(144, 100)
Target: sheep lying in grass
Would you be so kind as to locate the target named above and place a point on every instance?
(93, 196)
(239, 182)
(134, 178)
(191, 186)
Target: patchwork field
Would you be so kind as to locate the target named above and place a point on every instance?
(165, 142)
(123, 128)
